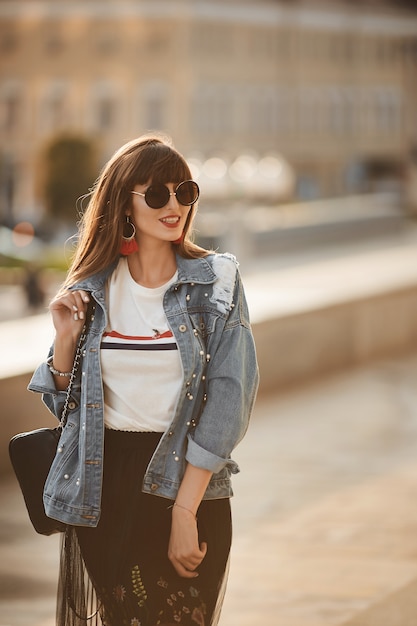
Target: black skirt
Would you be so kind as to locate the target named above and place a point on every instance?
(125, 557)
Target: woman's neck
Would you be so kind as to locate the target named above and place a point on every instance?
(152, 267)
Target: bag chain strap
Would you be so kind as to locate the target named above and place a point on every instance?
(77, 358)
(75, 365)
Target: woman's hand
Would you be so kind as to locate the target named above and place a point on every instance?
(68, 316)
(68, 313)
(184, 550)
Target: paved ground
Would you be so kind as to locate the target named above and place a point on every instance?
(310, 461)
(323, 469)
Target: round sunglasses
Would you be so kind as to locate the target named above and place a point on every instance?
(157, 196)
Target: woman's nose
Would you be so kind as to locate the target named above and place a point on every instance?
(172, 202)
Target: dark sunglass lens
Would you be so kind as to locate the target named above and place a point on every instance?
(187, 193)
(157, 196)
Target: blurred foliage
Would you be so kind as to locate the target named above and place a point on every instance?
(53, 259)
(50, 259)
(10, 262)
(68, 171)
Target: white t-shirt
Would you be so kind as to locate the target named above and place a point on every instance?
(141, 365)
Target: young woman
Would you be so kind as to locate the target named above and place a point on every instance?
(166, 386)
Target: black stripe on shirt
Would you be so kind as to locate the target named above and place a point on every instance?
(106, 345)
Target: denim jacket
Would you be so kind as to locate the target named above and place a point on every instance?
(207, 313)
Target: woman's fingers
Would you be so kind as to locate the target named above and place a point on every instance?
(80, 299)
(186, 565)
(74, 302)
(69, 312)
(185, 570)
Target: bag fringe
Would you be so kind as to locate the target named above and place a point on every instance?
(77, 602)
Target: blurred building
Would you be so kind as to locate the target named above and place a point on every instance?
(331, 86)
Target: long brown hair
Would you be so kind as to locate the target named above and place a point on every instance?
(148, 158)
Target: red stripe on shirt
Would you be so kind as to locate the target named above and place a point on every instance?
(113, 333)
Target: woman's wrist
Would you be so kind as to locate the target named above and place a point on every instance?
(63, 357)
(184, 508)
(55, 371)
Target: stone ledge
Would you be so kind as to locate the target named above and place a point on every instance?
(296, 347)
(333, 313)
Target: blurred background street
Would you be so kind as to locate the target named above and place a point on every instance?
(298, 119)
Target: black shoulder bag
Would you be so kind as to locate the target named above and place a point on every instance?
(32, 454)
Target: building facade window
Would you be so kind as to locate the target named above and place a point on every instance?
(156, 40)
(8, 39)
(388, 110)
(11, 102)
(154, 105)
(265, 110)
(209, 39)
(54, 113)
(107, 42)
(105, 113)
(54, 43)
(154, 111)
(104, 107)
(213, 109)
(310, 110)
(342, 110)
(264, 44)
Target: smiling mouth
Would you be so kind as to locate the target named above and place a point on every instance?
(170, 220)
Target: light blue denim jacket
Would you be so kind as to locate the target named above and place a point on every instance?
(207, 313)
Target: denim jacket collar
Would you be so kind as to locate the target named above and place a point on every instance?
(189, 271)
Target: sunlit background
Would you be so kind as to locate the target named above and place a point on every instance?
(273, 102)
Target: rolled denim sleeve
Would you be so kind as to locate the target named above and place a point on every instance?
(232, 383)
(196, 455)
(43, 382)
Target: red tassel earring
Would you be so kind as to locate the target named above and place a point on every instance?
(129, 243)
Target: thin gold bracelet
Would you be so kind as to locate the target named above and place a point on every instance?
(185, 509)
